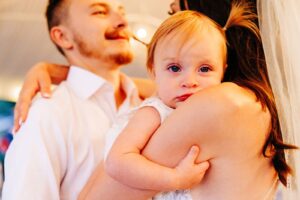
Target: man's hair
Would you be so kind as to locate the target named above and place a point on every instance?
(55, 13)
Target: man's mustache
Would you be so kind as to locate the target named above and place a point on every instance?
(124, 34)
(117, 34)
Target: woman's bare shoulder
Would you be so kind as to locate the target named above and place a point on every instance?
(224, 110)
(226, 114)
(215, 118)
(226, 99)
(213, 110)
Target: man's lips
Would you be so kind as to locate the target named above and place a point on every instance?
(183, 97)
(117, 36)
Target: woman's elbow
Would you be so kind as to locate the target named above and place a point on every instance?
(112, 166)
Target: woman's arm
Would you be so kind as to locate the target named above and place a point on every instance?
(102, 186)
(206, 119)
(38, 79)
(127, 165)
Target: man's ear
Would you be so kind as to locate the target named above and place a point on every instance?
(61, 37)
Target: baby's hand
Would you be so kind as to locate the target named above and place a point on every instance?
(189, 173)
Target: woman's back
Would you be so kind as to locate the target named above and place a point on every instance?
(230, 127)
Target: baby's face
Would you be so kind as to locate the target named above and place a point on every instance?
(181, 70)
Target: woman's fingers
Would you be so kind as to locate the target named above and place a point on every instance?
(37, 79)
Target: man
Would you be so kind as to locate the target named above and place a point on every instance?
(62, 141)
(65, 134)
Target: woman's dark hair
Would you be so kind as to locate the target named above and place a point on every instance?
(247, 68)
(209, 8)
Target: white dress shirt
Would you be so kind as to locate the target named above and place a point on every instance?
(62, 140)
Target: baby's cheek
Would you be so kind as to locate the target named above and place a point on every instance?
(164, 95)
(213, 82)
(167, 97)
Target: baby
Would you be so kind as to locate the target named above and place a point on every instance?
(187, 54)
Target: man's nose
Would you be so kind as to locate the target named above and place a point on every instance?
(120, 20)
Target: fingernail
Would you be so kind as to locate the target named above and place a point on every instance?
(20, 122)
(194, 149)
(13, 131)
(46, 95)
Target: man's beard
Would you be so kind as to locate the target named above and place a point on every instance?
(119, 58)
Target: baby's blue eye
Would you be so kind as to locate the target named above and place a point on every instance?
(204, 68)
(174, 68)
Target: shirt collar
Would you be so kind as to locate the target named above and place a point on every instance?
(84, 83)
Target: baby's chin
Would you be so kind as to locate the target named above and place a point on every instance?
(170, 104)
(174, 104)
(178, 103)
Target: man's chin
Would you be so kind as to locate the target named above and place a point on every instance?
(123, 58)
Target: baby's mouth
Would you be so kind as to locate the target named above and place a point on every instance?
(184, 97)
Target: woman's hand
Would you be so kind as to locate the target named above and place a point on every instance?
(38, 79)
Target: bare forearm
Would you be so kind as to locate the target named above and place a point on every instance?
(136, 171)
(125, 163)
(101, 186)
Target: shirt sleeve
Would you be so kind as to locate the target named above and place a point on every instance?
(36, 160)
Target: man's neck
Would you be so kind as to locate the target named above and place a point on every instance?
(108, 71)
(120, 96)
(114, 77)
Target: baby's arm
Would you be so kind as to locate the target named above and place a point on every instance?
(125, 163)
